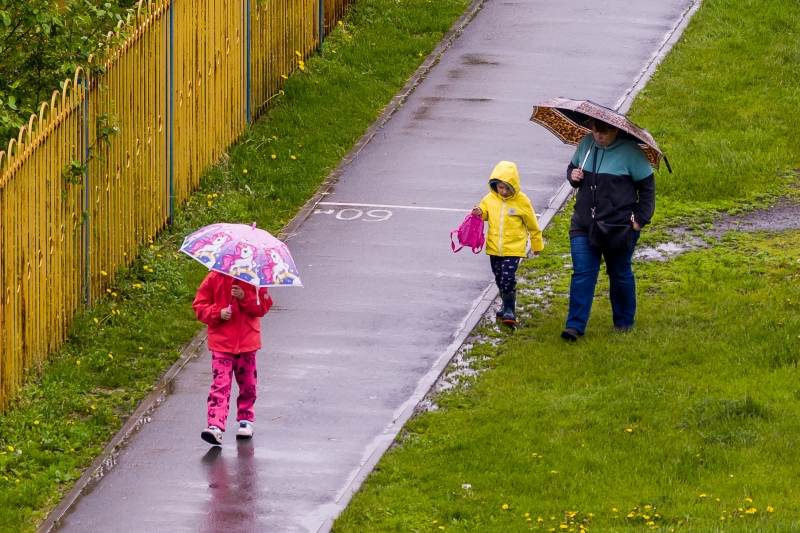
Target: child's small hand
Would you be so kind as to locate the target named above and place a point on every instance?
(477, 211)
(237, 292)
(225, 314)
(577, 174)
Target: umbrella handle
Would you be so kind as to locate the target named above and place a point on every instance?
(589, 151)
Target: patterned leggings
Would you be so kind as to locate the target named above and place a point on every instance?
(223, 366)
(505, 273)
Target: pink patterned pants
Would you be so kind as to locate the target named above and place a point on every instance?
(224, 366)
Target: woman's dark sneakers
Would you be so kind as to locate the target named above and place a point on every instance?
(571, 334)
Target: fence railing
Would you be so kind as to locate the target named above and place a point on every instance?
(181, 88)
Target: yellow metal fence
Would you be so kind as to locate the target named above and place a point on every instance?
(180, 88)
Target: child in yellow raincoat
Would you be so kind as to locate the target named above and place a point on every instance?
(511, 220)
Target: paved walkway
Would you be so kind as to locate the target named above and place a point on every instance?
(385, 296)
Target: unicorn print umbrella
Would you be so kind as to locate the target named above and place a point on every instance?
(243, 252)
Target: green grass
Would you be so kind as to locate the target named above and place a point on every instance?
(723, 106)
(65, 415)
(692, 416)
(701, 399)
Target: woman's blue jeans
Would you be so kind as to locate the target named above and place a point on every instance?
(585, 268)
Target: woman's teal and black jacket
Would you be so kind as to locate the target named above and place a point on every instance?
(625, 185)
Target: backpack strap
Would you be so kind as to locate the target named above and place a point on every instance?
(452, 243)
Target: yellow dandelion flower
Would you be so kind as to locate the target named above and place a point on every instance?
(748, 500)
(273, 156)
(110, 356)
(11, 448)
(78, 362)
(702, 495)
(114, 294)
(35, 422)
(284, 76)
(340, 23)
(505, 506)
(93, 407)
(96, 321)
(244, 171)
(629, 430)
(554, 471)
(293, 157)
(108, 291)
(435, 522)
(614, 510)
(152, 247)
(209, 203)
(103, 272)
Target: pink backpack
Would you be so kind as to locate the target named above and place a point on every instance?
(470, 234)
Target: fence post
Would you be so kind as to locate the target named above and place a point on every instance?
(321, 16)
(86, 194)
(247, 19)
(171, 109)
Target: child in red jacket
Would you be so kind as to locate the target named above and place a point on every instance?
(233, 314)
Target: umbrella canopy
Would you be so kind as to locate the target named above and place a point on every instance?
(244, 252)
(566, 119)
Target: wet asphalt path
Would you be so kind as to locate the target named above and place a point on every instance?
(385, 295)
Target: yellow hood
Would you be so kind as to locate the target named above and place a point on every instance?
(510, 219)
(507, 172)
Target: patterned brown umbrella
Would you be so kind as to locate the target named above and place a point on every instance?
(565, 118)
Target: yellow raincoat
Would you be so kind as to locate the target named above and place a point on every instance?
(510, 219)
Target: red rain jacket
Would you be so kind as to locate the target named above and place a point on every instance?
(242, 332)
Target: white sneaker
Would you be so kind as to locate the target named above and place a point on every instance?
(212, 435)
(245, 430)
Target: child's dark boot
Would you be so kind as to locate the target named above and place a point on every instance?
(509, 301)
(500, 312)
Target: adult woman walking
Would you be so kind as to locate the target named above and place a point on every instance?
(615, 200)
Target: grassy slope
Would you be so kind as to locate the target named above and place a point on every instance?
(693, 413)
(62, 419)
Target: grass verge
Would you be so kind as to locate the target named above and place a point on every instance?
(687, 424)
(118, 350)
